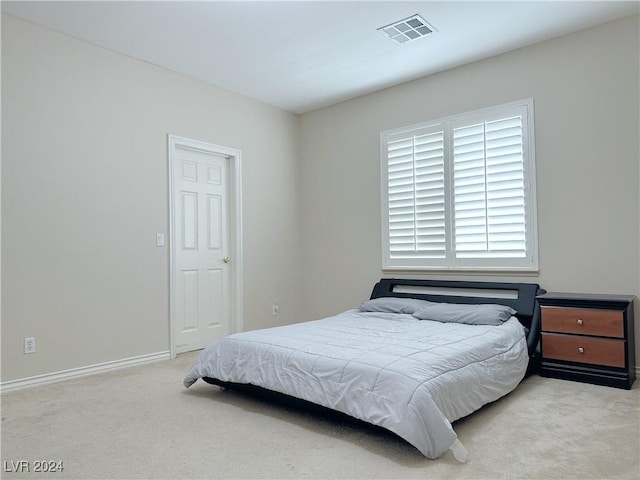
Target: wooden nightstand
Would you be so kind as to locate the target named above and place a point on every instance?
(588, 338)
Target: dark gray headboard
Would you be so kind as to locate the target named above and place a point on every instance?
(519, 296)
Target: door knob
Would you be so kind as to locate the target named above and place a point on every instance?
(226, 259)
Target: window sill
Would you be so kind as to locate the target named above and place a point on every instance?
(533, 272)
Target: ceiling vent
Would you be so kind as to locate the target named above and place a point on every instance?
(408, 29)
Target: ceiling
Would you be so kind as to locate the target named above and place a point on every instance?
(303, 55)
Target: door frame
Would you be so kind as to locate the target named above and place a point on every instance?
(234, 192)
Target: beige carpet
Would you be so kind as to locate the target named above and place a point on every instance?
(141, 423)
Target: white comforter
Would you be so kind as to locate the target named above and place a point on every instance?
(412, 377)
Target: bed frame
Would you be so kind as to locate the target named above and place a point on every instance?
(519, 296)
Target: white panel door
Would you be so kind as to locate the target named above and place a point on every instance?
(200, 234)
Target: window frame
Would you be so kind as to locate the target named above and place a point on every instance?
(527, 264)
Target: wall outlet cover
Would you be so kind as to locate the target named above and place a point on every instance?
(29, 345)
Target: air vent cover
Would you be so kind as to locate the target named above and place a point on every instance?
(408, 29)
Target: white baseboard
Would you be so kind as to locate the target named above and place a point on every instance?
(20, 383)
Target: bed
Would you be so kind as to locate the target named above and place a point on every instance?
(413, 359)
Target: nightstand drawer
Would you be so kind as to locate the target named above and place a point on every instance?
(597, 351)
(584, 321)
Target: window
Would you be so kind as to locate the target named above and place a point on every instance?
(459, 193)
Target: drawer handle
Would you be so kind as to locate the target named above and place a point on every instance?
(579, 321)
(580, 350)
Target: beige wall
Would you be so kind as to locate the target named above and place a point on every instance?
(84, 185)
(84, 190)
(586, 92)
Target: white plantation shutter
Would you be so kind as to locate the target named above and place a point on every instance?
(459, 193)
(416, 195)
(489, 189)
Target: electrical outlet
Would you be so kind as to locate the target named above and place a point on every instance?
(29, 345)
(276, 310)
